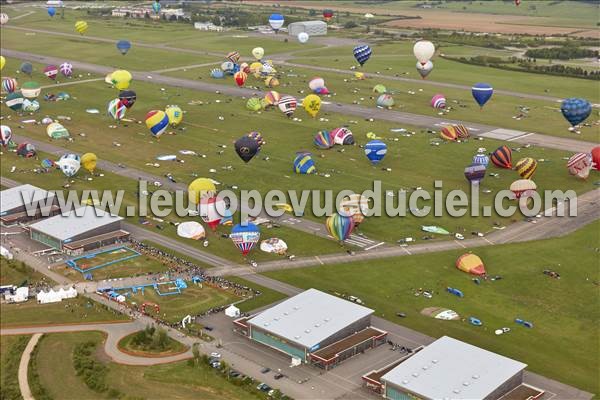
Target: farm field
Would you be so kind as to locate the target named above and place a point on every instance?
(561, 309)
(11, 348)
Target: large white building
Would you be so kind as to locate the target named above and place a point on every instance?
(313, 28)
(15, 203)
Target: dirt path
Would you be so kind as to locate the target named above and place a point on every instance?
(24, 366)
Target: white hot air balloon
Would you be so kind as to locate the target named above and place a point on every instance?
(424, 69)
(69, 164)
(258, 52)
(423, 51)
(303, 37)
(191, 230)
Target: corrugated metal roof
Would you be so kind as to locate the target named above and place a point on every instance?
(451, 369)
(21, 195)
(309, 317)
(75, 222)
(308, 23)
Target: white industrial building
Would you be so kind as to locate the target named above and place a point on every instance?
(313, 28)
(15, 203)
(54, 296)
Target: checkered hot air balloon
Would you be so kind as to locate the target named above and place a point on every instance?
(304, 163)
(116, 109)
(526, 167)
(342, 136)
(66, 69)
(324, 140)
(157, 121)
(9, 85)
(245, 237)
(362, 53)
(438, 101)
(502, 157)
(287, 105)
(51, 71)
(375, 151)
(339, 226)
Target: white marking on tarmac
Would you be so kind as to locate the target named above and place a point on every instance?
(460, 244)
(375, 245)
(519, 137)
(319, 260)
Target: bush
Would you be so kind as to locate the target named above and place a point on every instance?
(90, 370)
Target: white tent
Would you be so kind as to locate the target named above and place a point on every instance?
(4, 252)
(232, 311)
(48, 297)
(70, 293)
(21, 295)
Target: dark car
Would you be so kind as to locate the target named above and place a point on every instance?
(208, 328)
(279, 376)
(265, 370)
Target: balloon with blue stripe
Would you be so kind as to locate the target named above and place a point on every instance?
(362, 53)
(245, 237)
(481, 159)
(157, 121)
(276, 21)
(576, 110)
(217, 73)
(304, 163)
(375, 151)
(482, 92)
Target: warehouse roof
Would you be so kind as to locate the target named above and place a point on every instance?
(449, 368)
(308, 23)
(75, 222)
(309, 317)
(20, 196)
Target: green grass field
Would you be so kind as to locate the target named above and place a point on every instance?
(177, 380)
(193, 300)
(11, 349)
(15, 273)
(172, 347)
(267, 296)
(563, 311)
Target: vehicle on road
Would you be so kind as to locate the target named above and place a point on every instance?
(279, 376)
(265, 370)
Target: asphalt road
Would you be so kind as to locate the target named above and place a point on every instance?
(399, 117)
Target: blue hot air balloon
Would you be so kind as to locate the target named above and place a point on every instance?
(245, 237)
(375, 151)
(482, 92)
(217, 73)
(362, 53)
(123, 46)
(156, 7)
(276, 21)
(304, 164)
(475, 173)
(51, 11)
(576, 110)
(481, 158)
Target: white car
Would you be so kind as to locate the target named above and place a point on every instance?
(215, 355)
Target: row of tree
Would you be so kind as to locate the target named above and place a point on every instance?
(561, 53)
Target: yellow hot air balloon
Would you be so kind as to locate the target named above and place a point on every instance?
(81, 27)
(175, 115)
(201, 188)
(2, 62)
(359, 75)
(121, 79)
(258, 52)
(88, 161)
(312, 104)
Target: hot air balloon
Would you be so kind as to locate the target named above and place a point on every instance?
(423, 51)
(56, 131)
(210, 209)
(379, 88)
(233, 56)
(128, 98)
(471, 264)
(156, 7)
(312, 104)
(191, 230)
(240, 78)
(517, 3)
(5, 135)
(123, 46)
(526, 167)
(256, 136)
(324, 140)
(317, 85)
(81, 27)
(580, 165)
(157, 121)
(47, 163)
(69, 164)
(362, 53)
(438, 101)
(116, 109)
(227, 67)
(2, 62)
(385, 100)
(375, 151)
(304, 163)
(596, 157)
(272, 98)
(576, 110)
(9, 85)
(14, 101)
(482, 92)
(276, 21)
(339, 226)
(245, 237)
(327, 14)
(271, 82)
(26, 150)
(287, 105)
(258, 52)
(523, 188)
(502, 157)
(424, 69)
(254, 104)
(274, 245)
(26, 68)
(246, 148)
(217, 73)
(449, 133)
(51, 11)
(303, 37)
(475, 173)
(175, 115)
(31, 90)
(201, 188)
(342, 136)
(66, 69)
(121, 79)
(481, 158)
(3, 18)
(30, 105)
(89, 161)
(51, 71)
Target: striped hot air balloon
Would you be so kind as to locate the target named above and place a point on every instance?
(81, 27)
(9, 85)
(596, 157)
(157, 121)
(272, 98)
(51, 71)
(14, 101)
(342, 136)
(116, 109)
(304, 164)
(526, 167)
(580, 165)
(462, 131)
(324, 140)
(481, 158)
(233, 56)
(66, 69)
(240, 78)
(31, 90)
(339, 226)
(217, 73)
(438, 101)
(449, 133)
(271, 82)
(475, 173)
(254, 104)
(362, 53)
(502, 157)
(245, 237)
(287, 105)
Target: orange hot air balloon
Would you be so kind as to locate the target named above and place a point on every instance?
(471, 264)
